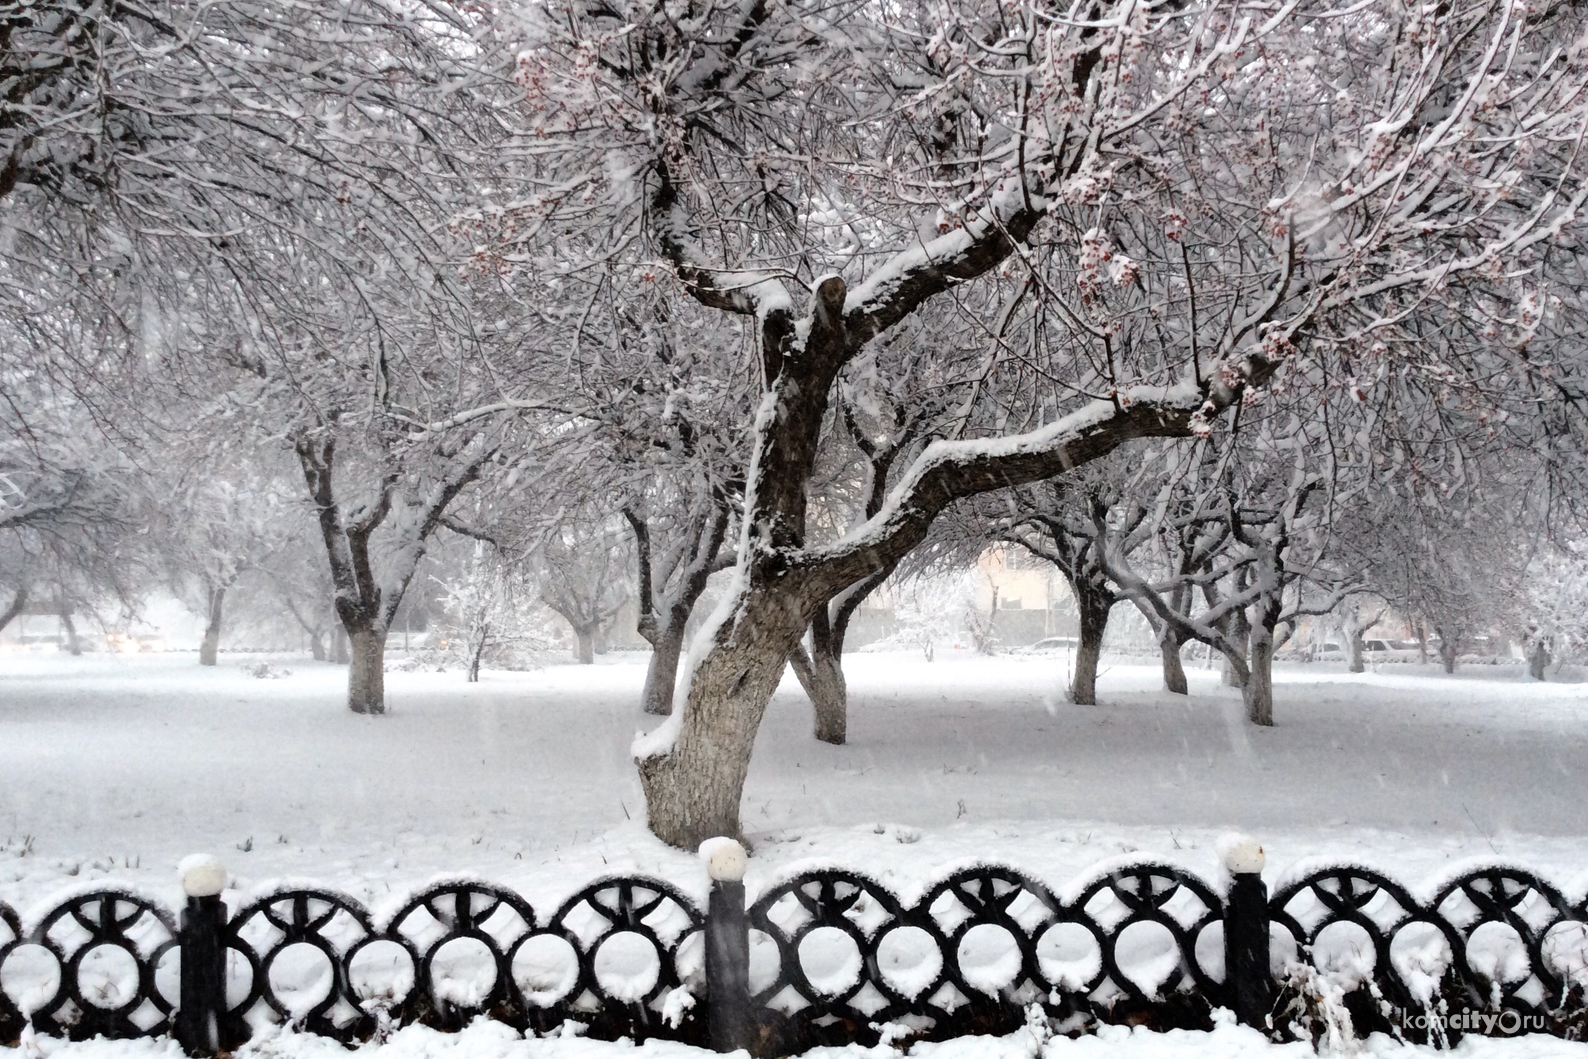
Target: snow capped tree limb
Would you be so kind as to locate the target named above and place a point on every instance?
(949, 470)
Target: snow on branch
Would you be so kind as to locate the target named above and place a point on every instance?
(912, 276)
(749, 293)
(947, 471)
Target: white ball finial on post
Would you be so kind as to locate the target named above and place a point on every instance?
(202, 875)
(1243, 854)
(1247, 971)
(727, 946)
(726, 860)
(201, 941)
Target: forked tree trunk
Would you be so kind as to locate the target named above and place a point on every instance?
(1258, 689)
(662, 673)
(210, 646)
(366, 675)
(692, 788)
(1094, 607)
(1174, 680)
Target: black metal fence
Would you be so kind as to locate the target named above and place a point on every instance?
(824, 957)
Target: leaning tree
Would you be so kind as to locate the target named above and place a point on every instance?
(1139, 216)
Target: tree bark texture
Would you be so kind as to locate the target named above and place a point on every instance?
(692, 789)
(1258, 690)
(1174, 680)
(366, 675)
(1240, 634)
(1094, 604)
(821, 674)
(210, 646)
(662, 672)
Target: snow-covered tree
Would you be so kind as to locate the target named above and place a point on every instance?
(586, 578)
(1182, 201)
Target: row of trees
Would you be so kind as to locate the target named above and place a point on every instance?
(1223, 307)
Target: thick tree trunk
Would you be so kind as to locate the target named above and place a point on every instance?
(1448, 649)
(821, 674)
(73, 644)
(210, 646)
(1094, 608)
(366, 676)
(584, 649)
(662, 673)
(1240, 634)
(1258, 691)
(1173, 670)
(1356, 644)
(693, 787)
(1537, 658)
(18, 601)
(339, 651)
(474, 660)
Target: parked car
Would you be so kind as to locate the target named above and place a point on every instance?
(1056, 643)
(1389, 651)
(1325, 652)
(135, 643)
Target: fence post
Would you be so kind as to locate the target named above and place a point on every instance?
(1246, 971)
(727, 946)
(203, 949)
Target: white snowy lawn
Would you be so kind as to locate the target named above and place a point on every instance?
(115, 767)
(487, 1040)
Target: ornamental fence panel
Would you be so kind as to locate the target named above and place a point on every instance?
(826, 956)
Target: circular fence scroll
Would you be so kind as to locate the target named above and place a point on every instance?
(1491, 939)
(297, 944)
(834, 954)
(634, 940)
(1506, 927)
(1154, 917)
(10, 938)
(459, 940)
(93, 966)
(818, 937)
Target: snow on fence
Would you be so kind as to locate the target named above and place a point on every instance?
(826, 956)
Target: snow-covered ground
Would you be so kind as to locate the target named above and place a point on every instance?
(115, 767)
(487, 1040)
